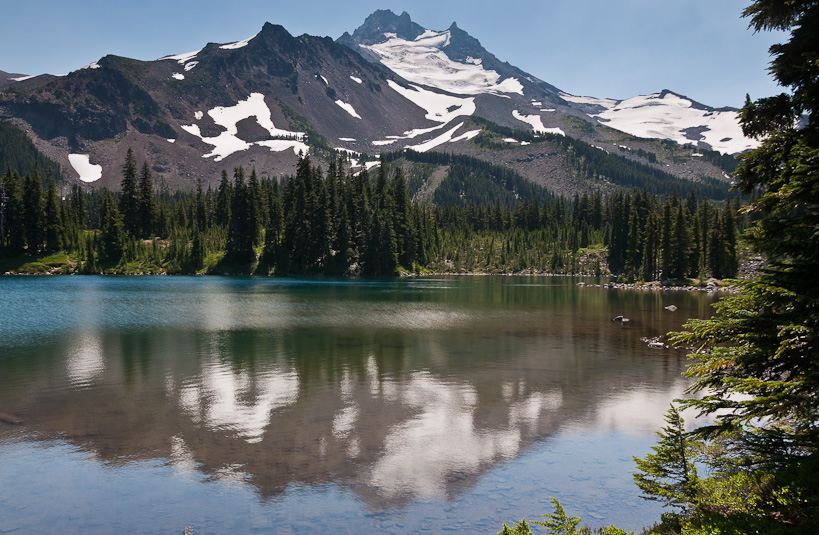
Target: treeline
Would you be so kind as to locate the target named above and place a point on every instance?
(311, 224)
(341, 223)
(638, 235)
(595, 164)
(473, 180)
(18, 152)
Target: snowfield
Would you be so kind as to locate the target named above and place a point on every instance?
(440, 140)
(446, 137)
(440, 108)
(237, 44)
(182, 58)
(82, 165)
(228, 142)
(667, 117)
(348, 108)
(423, 61)
(537, 123)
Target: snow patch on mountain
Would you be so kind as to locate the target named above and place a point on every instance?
(537, 123)
(228, 141)
(178, 76)
(82, 165)
(348, 108)
(182, 58)
(190, 65)
(669, 116)
(604, 102)
(440, 140)
(446, 137)
(22, 78)
(238, 44)
(440, 108)
(356, 79)
(423, 61)
(465, 136)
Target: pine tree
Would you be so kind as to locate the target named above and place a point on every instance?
(651, 246)
(729, 241)
(666, 248)
(201, 211)
(146, 203)
(758, 359)
(669, 474)
(13, 216)
(224, 200)
(54, 219)
(559, 523)
(633, 252)
(680, 245)
(112, 231)
(129, 196)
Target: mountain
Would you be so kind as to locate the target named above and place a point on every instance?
(454, 61)
(388, 86)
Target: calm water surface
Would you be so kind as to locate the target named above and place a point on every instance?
(245, 405)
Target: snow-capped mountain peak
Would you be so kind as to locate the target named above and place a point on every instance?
(667, 115)
(424, 60)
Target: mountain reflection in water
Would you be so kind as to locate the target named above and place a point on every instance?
(396, 390)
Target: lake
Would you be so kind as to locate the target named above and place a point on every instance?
(255, 405)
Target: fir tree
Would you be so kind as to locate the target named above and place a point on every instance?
(757, 361)
(129, 196)
(54, 219)
(34, 211)
(224, 200)
(112, 231)
(669, 474)
(13, 217)
(146, 203)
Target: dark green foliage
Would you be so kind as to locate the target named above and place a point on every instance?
(12, 218)
(112, 232)
(146, 203)
(129, 196)
(344, 224)
(669, 474)
(755, 363)
(53, 219)
(473, 180)
(559, 523)
(19, 153)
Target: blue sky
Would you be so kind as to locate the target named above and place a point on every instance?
(602, 48)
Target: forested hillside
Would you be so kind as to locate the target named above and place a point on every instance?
(484, 218)
(19, 153)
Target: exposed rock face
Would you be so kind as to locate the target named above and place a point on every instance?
(389, 85)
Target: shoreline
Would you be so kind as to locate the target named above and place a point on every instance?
(713, 285)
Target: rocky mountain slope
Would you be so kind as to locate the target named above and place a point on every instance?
(388, 86)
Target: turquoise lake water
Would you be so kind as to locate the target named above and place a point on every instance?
(249, 405)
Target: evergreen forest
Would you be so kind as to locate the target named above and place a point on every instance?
(482, 218)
